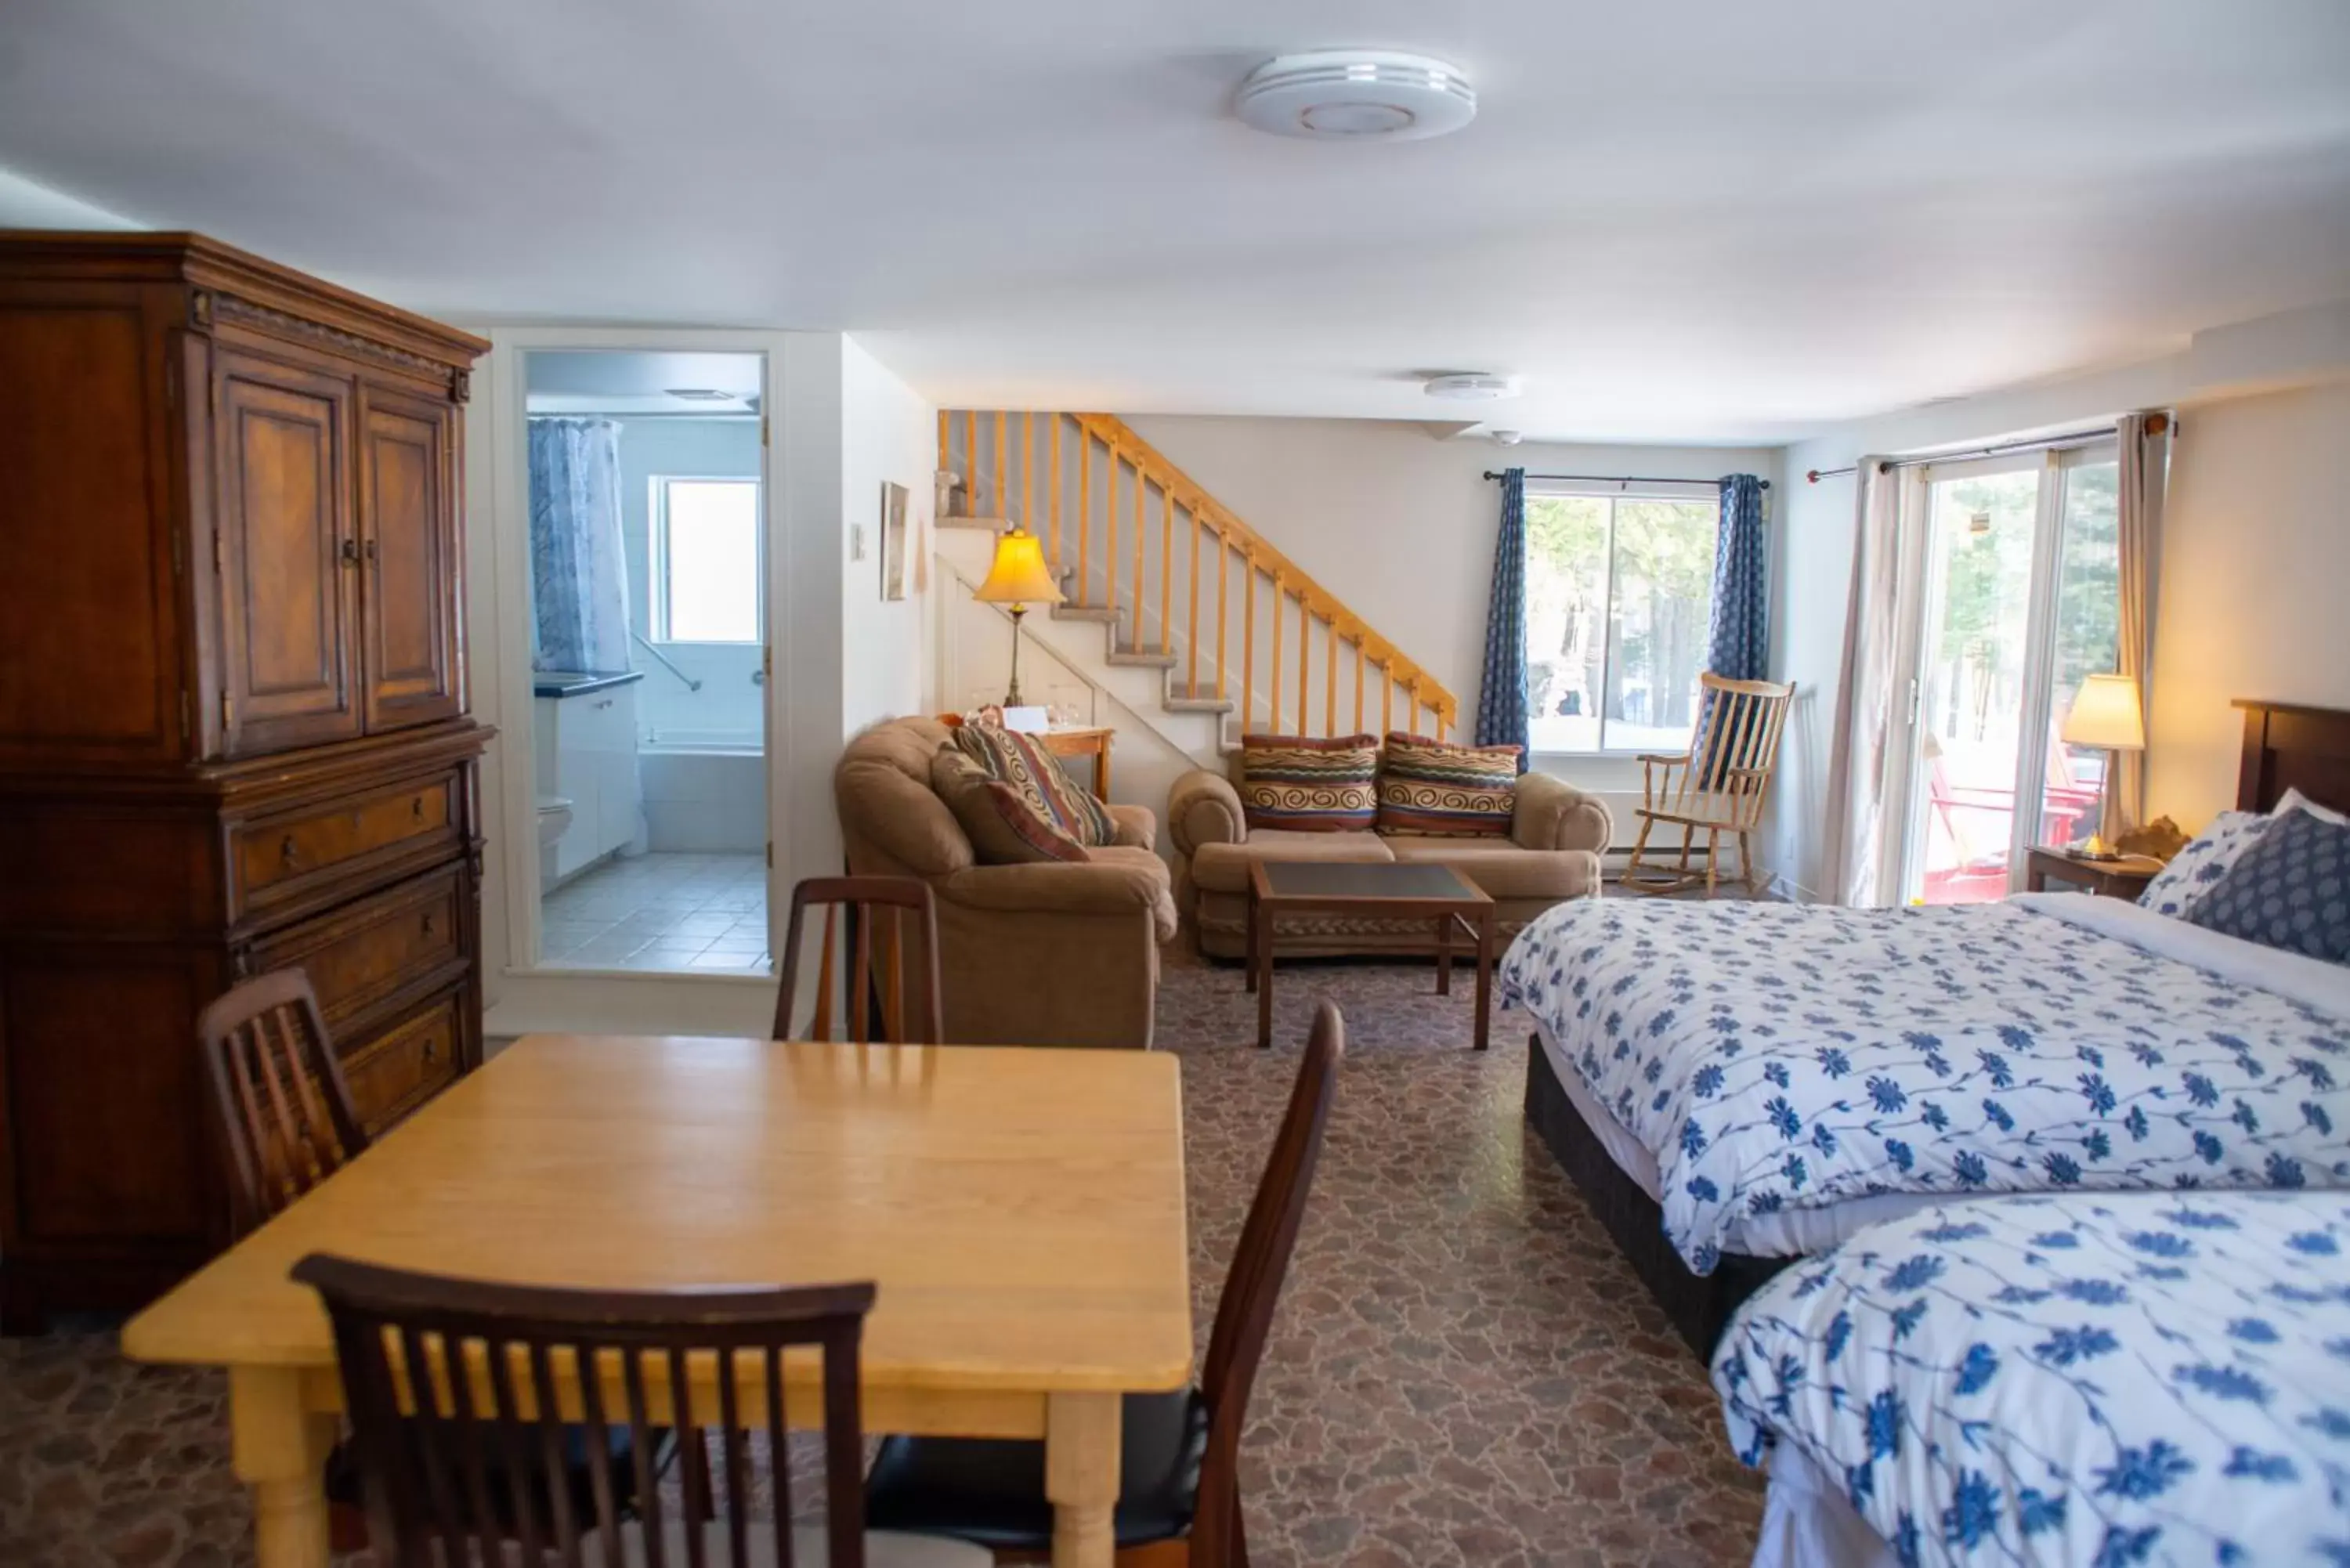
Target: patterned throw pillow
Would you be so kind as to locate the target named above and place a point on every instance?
(1431, 786)
(2194, 870)
(1003, 827)
(1021, 763)
(1309, 785)
(2290, 890)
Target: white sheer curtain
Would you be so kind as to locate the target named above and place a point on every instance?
(2143, 441)
(1859, 809)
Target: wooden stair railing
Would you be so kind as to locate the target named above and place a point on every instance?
(1002, 459)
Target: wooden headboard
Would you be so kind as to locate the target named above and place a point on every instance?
(2288, 747)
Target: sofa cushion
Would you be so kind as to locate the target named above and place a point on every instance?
(1308, 784)
(1023, 762)
(1500, 867)
(1225, 868)
(1005, 829)
(1431, 786)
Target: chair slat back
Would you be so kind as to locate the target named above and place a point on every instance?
(887, 915)
(1739, 728)
(1253, 1288)
(286, 1117)
(456, 1388)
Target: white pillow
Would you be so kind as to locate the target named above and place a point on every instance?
(2296, 800)
(2194, 870)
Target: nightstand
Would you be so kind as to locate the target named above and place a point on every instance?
(2123, 878)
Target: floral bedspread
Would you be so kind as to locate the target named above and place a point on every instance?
(1774, 1054)
(2068, 1380)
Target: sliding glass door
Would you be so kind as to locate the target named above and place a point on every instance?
(2020, 579)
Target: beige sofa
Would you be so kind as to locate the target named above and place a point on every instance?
(1029, 955)
(1556, 832)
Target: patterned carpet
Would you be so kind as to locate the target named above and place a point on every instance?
(1461, 1371)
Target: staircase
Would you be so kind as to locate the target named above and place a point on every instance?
(1232, 630)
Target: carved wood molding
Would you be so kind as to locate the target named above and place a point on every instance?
(208, 306)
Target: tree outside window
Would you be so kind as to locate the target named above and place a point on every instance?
(1620, 590)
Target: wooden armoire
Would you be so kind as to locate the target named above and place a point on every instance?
(232, 724)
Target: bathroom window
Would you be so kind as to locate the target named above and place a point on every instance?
(705, 559)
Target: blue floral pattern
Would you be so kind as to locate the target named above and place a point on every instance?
(2063, 1380)
(1778, 1056)
(2194, 870)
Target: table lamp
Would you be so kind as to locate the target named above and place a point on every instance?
(2105, 717)
(1018, 577)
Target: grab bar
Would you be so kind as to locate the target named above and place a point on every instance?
(663, 660)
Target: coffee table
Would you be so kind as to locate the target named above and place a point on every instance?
(1387, 890)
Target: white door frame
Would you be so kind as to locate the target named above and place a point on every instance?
(523, 995)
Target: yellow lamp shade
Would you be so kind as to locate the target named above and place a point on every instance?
(1019, 575)
(2106, 715)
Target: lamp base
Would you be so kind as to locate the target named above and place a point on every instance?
(2093, 848)
(1012, 696)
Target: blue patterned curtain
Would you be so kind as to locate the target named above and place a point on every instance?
(579, 575)
(1501, 699)
(1738, 637)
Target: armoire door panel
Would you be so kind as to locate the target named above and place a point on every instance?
(86, 591)
(288, 557)
(408, 531)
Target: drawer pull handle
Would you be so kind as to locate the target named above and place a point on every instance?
(428, 925)
(416, 808)
(432, 1051)
(287, 850)
(350, 552)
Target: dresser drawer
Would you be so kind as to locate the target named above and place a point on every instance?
(279, 857)
(361, 954)
(399, 1070)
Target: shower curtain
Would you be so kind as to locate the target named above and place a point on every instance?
(579, 577)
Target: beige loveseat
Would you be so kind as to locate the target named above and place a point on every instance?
(1556, 832)
(1029, 955)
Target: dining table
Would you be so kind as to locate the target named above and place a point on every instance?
(1020, 1209)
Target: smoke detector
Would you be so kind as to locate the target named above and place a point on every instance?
(1356, 95)
(1506, 438)
(1469, 388)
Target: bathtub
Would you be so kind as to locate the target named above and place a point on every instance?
(705, 792)
(663, 740)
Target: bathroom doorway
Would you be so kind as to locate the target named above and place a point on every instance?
(647, 506)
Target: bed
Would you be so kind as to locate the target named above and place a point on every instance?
(2085, 1379)
(1737, 1085)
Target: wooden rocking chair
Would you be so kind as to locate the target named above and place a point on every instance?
(1718, 792)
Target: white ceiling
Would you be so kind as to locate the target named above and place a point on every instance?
(1708, 219)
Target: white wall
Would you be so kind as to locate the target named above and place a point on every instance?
(2243, 601)
(2255, 570)
(888, 434)
(1400, 525)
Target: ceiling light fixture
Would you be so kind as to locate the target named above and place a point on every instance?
(1356, 95)
(701, 394)
(1470, 389)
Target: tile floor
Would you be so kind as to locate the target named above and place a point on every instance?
(1461, 1371)
(661, 911)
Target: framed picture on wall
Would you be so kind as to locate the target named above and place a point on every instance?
(893, 541)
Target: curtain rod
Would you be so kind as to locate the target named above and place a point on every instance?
(2155, 425)
(1614, 478)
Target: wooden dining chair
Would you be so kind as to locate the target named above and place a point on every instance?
(479, 1436)
(285, 1114)
(880, 971)
(1179, 1486)
(286, 1123)
(1717, 787)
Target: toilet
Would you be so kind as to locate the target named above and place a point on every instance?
(553, 818)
